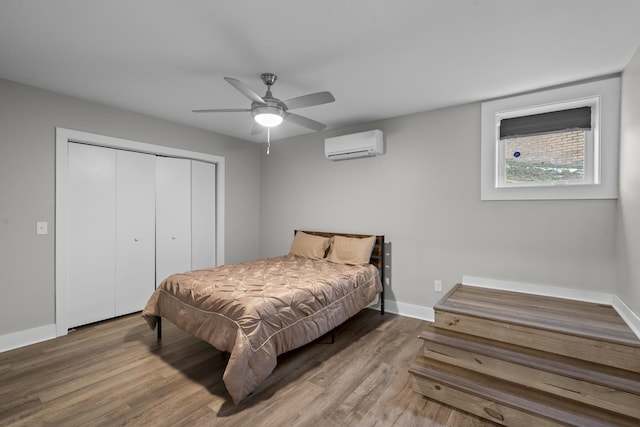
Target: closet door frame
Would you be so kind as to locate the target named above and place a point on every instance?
(66, 136)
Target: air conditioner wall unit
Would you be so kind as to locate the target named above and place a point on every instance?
(353, 146)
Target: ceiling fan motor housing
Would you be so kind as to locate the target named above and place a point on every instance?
(272, 112)
(273, 107)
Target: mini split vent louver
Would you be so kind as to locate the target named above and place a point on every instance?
(353, 146)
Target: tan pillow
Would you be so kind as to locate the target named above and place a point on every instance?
(351, 250)
(309, 246)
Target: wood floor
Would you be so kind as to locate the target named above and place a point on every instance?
(115, 373)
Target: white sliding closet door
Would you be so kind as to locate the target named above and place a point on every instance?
(203, 215)
(91, 231)
(135, 231)
(173, 216)
(128, 215)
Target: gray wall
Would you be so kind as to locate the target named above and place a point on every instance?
(424, 195)
(628, 249)
(28, 118)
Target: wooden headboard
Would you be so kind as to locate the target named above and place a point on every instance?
(377, 255)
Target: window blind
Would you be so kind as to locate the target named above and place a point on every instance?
(538, 124)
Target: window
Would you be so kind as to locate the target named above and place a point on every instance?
(548, 148)
(556, 144)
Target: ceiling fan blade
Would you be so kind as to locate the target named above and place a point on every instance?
(245, 90)
(304, 121)
(310, 100)
(222, 110)
(257, 129)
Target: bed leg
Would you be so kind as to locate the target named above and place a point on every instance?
(382, 279)
(159, 327)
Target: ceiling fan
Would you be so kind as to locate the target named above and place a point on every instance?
(268, 111)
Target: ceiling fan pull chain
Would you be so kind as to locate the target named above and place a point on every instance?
(268, 140)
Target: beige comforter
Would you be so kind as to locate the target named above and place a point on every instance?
(258, 310)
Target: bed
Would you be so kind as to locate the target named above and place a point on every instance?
(258, 310)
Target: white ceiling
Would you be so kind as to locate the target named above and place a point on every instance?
(380, 59)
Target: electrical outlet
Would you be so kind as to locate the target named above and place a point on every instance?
(437, 286)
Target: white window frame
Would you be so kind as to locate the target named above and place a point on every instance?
(601, 151)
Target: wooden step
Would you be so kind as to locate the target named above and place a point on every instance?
(582, 330)
(504, 402)
(609, 388)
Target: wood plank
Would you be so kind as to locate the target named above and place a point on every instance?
(616, 355)
(556, 314)
(503, 402)
(593, 384)
(503, 415)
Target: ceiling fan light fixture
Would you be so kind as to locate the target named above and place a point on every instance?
(268, 116)
(268, 119)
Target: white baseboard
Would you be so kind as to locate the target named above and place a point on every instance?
(625, 312)
(628, 315)
(28, 337)
(410, 310)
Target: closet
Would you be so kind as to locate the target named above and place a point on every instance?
(133, 219)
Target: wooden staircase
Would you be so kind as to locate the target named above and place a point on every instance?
(525, 360)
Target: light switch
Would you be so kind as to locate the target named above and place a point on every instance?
(42, 227)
